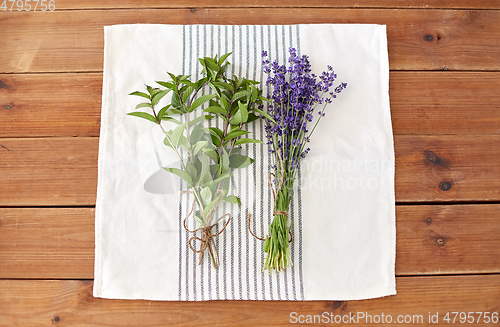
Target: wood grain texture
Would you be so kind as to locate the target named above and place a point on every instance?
(50, 105)
(48, 171)
(58, 243)
(440, 102)
(428, 4)
(63, 303)
(448, 239)
(447, 168)
(63, 171)
(72, 41)
(421, 103)
(47, 243)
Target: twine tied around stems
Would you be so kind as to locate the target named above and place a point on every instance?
(207, 232)
(271, 175)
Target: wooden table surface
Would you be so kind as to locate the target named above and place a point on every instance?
(445, 102)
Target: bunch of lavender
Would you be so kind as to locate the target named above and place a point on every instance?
(294, 95)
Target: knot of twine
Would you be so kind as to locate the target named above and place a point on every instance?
(284, 213)
(207, 235)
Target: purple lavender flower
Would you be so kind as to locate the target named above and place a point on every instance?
(294, 93)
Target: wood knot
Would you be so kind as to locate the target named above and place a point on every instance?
(337, 305)
(9, 106)
(445, 186)
(440, 241)
(2, 84)
(432, 157)
(56, 320)
(431, 37)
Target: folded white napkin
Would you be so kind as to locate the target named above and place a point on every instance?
(343, 209)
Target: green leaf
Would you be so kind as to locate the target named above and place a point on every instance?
(210, 63)
(201, 100)
(173, 77)
(176, 134)
(189, 83)
(205, 175)
(176, 102)
(216, 132)
(236, 119)
(168, 85)
(239, 95)
(216, 89)
(187, 93)
(224, 85)
(223, 58)
(173, 111)
(233, 134)
(239, 161)
(206, 195)
(141, 94)
(265, 114)
(182, 174)
(171, 119)
(252, 117)
(168, 138)
(196, 134)
(211, 205)
(191, 170)
(232, 199)
(211, 153)
(198, 146)
(223, 176)
(225, 104)
(244, 111)
(246, 140)
(144, 115)
(255, 92)
(216, 109)
(183, 141)
(158, 96)
(199, 119)
(216, 141)
(143, 105)
(162, 112)
(197, 217)
(225, 161)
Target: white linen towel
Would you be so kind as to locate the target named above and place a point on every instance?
(343, 209)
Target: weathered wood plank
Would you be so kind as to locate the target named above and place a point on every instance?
(63, 171)
(447, 168)
(72, 41)
(111, 4)
(447, 239)
(48, 171)
(47, 303)
(58, 243)
(440, 102)
(47, 243)
(50, 105)
(421, 103)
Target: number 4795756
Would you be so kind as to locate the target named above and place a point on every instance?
(28, 5)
